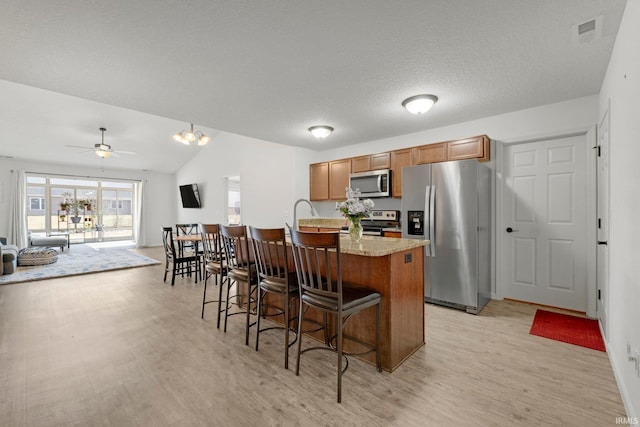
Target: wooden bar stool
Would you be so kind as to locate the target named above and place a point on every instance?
(242, 269)
(270, 253)
(214, 264)
(319, 269)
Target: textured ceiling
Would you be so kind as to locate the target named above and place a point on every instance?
(270, 69)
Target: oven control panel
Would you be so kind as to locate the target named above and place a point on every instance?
(384, 215)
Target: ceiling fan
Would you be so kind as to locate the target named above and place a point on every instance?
(103, 150)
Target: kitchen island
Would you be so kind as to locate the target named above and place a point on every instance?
(394, 268)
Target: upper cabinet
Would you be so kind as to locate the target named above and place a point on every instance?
(328, 180)
(319, 181)
(469, 148)
(399, 159)
(431, 153)
(339, 171)
(371, 162)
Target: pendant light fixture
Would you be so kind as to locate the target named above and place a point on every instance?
(103, 150)
(188, 137)
(321, 131)
(419, 104)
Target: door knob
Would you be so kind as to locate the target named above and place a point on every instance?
(510, 230)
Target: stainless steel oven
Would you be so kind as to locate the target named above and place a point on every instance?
(378, 221)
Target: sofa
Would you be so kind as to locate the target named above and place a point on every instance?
(8, 256)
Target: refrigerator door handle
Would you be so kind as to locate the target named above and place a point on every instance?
(427, 230)
(432, 220)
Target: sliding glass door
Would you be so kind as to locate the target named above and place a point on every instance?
(87, 209)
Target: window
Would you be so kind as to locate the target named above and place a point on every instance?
(233, 201)
(105, 207)
(36, 203)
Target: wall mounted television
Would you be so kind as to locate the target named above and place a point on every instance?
(190, 196)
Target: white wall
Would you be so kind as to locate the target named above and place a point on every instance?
(266, 170)
(577, 115)
(158, 203)
(621, 87)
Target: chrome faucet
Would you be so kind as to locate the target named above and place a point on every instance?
(313, 211)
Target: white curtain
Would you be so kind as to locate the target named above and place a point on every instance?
(137, 221)
(18, 213)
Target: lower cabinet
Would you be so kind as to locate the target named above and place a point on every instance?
(396, 234)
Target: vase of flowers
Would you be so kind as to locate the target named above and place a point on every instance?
(354, 210)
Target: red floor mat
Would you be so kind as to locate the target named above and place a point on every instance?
(566, 328)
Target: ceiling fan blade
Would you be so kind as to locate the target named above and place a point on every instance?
(122, 152)
(78, 146)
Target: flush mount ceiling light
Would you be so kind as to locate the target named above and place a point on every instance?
(420, 103)
(321, 132)
(188, 137)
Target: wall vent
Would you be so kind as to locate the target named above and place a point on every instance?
(587, 31)
(586, 27)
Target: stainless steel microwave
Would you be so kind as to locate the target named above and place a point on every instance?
(373, 183)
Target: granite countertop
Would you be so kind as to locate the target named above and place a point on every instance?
(323, 222)
(378, 246)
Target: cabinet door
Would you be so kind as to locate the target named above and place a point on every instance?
(380, 161)
(339, 171)
(361, 164)
(469, 148)
(399, 159)
(395, 234)
(319, 181)
(431, 153)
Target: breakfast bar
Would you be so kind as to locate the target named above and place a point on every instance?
(394, 268)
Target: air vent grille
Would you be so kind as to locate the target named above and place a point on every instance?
(586, 27)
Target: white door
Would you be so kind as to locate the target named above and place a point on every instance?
(602, 213)
(544, 222)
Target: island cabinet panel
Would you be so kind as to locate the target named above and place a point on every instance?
(469, 148)
(399, 160)
(431, 153)
(319, 181)
(339, 171)
(398, 277)
(394, 234)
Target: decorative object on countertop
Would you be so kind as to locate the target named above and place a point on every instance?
(354, 210)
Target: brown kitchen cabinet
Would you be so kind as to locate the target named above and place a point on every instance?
(476, 147)
(430, 153)
(319, 181)
(371, 162)
(399, 159)
(339, 171)
(395, 234)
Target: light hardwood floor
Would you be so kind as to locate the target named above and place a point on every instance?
(123, 348)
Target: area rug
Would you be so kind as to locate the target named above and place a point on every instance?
(80, 259)
(566, 328)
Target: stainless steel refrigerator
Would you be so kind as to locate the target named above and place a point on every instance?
(449, 204)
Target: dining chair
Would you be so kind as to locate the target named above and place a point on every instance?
(242, 270)
(318, 264)
(214, 264)
(180, 264)
(274, 276)
(192, 247)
